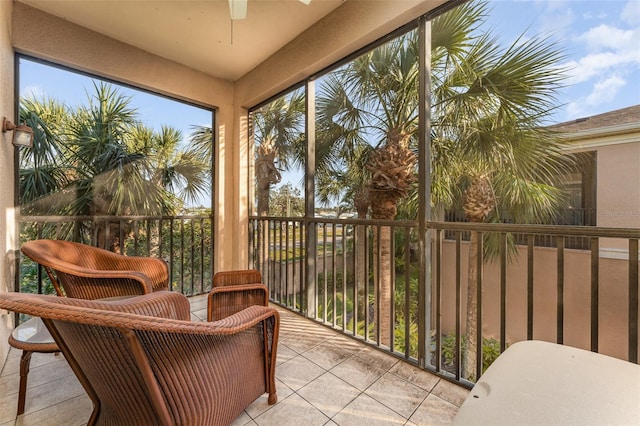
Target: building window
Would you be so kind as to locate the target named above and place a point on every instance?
(580, 186)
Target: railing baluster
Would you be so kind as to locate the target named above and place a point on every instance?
(296, 261)
(560, 293)
(343, 240)
(181, 254)
(325, 283)
(281, 225)
(503, 291)
(171, 268)
(407, 292)
(286, 262)
(595, 299)
(633, 300)
(272, 263)
(479, 269)
(135, 237)
(356, 277)
(121, 224)
(148, 222)
(201, 243)
(457, 363)
(160, 242)
(365, 280)
(530, 304)
(334, 259)
(192, 247)
(438, 301)
(303, 256)
(376, 285)
(392, 283)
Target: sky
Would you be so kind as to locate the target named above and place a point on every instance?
(601, 40)
(41, 80)
(47, 82)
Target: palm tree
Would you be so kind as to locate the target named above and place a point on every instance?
(488, 110)
(98, 160)
(41, 172)
(278, 131)
(490, 148)
(368, 117)
(201, 142)
(183, 172)
(279, 135)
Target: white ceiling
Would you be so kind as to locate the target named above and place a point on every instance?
(196, 33)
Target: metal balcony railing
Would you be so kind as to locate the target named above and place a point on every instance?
(184, 242)
(566, 217)
(401, 286)
(336, 272)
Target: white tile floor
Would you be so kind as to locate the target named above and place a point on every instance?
(323, 378)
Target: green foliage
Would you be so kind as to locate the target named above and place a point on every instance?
(286, 201)
(490, 350)
(334, 313)
(400, 337)
(400, 297)
(98, 159)
(185, 244)
(29, 278)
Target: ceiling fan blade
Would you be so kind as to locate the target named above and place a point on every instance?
(238, 9)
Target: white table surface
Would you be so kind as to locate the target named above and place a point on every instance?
(540, 383)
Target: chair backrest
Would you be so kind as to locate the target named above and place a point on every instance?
(233, 291)
(143, 362)
(245, 276)
(86, 272)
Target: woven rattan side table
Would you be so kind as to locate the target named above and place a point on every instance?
(30, 336)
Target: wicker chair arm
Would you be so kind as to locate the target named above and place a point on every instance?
(110, 314)
(160, 304)
(227, 300)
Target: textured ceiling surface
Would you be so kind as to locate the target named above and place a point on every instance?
(199, 34)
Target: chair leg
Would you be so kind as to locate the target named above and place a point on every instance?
(25, 360)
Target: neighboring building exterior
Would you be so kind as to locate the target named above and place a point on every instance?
(610, 184)
(606, 193)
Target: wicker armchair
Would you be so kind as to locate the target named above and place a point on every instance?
(233, 291)
(86, 272)
(143, 362)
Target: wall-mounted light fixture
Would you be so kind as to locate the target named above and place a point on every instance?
(22, 134)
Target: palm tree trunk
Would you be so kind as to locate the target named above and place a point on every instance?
(383, 207)
(479, 201)
(384, 260)
(263, 198)
(361, 203)
(471, 330)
